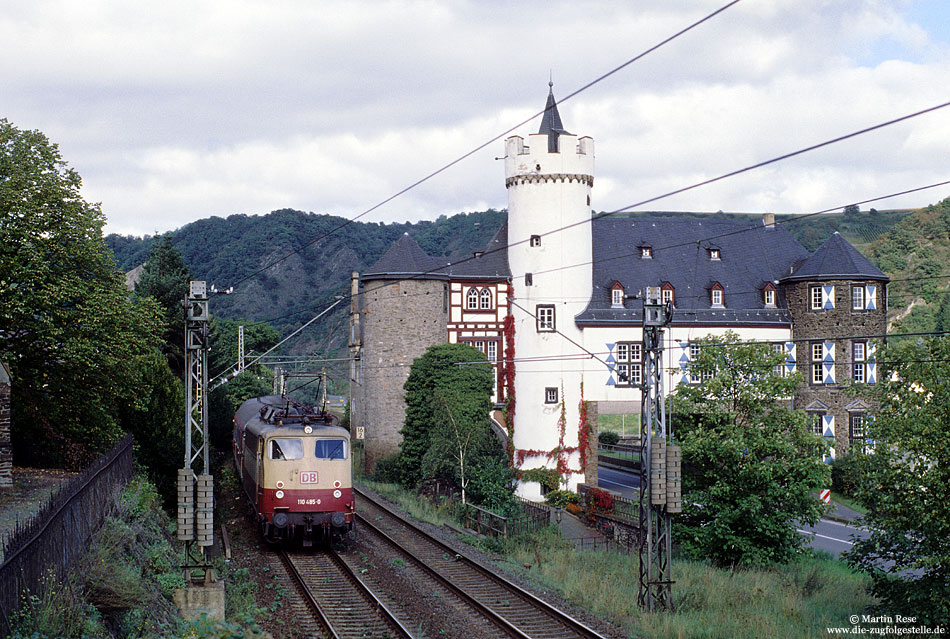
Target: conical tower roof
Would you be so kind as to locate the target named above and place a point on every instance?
(551, 121)
(836, 259)
(404, 257)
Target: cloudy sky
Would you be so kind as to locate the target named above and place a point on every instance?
(183, 109)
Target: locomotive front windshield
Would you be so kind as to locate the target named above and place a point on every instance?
(330, 449)
(286, 448)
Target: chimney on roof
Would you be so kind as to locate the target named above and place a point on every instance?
(769, 220)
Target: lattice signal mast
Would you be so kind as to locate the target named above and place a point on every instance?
(195, 508)
(659, 465)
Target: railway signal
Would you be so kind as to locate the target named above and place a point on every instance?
(659, 464)
(196, 493)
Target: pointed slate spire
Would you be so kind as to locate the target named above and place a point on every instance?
(551, 122)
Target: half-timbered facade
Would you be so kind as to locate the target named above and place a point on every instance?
(572, 282)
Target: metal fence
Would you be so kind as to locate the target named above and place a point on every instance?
(624, 510)
(533, 517)
(604, 544)
(58, 534)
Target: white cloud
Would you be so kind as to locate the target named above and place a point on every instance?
(179, 110)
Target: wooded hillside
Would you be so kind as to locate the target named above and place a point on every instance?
(230, 252)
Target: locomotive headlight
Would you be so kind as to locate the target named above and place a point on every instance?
(279, 494)
(308, 429)
(337, 494)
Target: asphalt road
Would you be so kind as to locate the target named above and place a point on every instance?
(827, 535)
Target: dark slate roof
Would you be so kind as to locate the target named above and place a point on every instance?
(406, 259)
(551, 121)
(751, 255)
(836, 259)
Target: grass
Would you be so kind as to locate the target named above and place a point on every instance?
(847, 501)
(436, 514)
(620, 424)
(123, 584)
(800, 599)
(797, 600)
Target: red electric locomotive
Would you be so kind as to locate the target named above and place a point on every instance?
(296, 468)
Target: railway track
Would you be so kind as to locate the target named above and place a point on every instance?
(337, 598)
(513, 610)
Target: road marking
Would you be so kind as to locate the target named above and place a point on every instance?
(617, 483)
(814, 534)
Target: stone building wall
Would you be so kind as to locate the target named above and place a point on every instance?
(6, 450)
(401, 319)
(842, 326)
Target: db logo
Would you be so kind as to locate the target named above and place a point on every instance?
(309, 477)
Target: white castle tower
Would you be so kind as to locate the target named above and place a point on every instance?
(549, 182)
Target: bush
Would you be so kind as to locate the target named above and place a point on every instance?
(387, 470)
(490, 483)
(845, 475)
(599, 501)
(562, 498)
(608, 437)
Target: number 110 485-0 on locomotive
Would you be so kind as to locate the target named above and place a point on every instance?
(296, 469)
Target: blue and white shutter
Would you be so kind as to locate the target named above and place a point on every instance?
(828, 363)
(789, 357)
(611, 365)
(828, 431)
(870, 297)
(827, 297)
(871, 372)
(684, 362)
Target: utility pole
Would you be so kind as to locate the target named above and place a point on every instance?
(240, 349)
(355, 348)
(659, 464)
(196, 493)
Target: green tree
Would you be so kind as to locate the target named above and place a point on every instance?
(76, 344)
(223, 355)
(447, 371)
(455, 443)
(905, 471)
(158, 426)
(255, 381)
(750, 462)
(165, 278)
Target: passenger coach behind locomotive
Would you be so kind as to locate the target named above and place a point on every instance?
(295, 468)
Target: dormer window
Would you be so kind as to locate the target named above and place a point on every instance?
(768, 295)
(616, 295)
(667, 294)
(716, 297)
(535, 240)
(646, 252)
(714, 254)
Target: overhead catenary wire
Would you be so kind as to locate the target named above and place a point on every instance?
(497, 137)
(711, 237)
(254, 361)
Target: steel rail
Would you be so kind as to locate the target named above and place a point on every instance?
(534, 600)
(490, 614)
(375, 603)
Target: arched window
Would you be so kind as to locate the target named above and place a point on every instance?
(485, 296)
(472, 298)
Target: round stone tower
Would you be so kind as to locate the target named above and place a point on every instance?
(549, 182)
